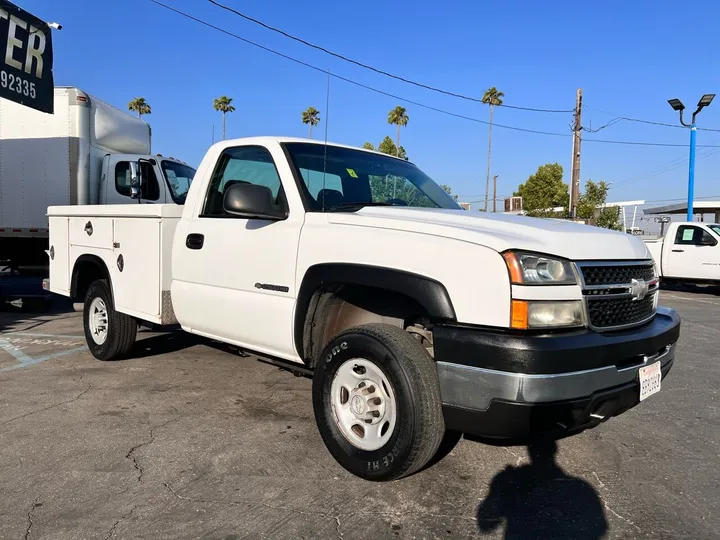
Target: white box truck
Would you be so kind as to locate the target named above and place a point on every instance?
(78, 155)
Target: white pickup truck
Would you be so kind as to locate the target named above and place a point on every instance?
(689, 252)
(414, 317)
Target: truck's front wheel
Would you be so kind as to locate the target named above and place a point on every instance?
(377, 402)
(109, 334)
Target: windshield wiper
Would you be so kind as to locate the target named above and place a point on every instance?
(350, 207)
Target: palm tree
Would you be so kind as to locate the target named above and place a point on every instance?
(399, 117)
(140, 106)
(311, 117)
(492, 97)
(223, 104)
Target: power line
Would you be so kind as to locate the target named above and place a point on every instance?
(682, 199)
(372, 68)
(667, 167)
(637, 120)
(643, 143)
(395, 96)
(350, 81)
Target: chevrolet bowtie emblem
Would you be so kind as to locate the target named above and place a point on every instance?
(639, 289)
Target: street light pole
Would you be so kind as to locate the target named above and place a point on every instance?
(677, 105)
(691, 171)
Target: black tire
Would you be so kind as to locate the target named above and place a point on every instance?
(419, 426)
(448, 443)
(121, 328)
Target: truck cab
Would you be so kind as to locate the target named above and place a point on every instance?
(689, 252)
(163, 180)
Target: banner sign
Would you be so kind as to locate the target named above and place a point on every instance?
(26, 58)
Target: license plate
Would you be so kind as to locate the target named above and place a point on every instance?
(650, 379)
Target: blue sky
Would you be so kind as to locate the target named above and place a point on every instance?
(628, 57)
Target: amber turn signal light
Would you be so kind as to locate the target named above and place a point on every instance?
(513, 265)
(519, 315)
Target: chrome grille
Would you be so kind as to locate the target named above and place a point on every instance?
(618, 294)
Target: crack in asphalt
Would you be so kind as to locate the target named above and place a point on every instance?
(335, 517)
(601, 484)
(122, 518)
(518, 459)
(614, 513)
(337, 528)
(269, 387)
(81, 394)
(131, 452)
(35, 504)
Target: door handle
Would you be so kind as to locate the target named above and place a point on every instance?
(194, 241)
(678, 250)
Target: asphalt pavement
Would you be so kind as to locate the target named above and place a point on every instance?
(189, 439)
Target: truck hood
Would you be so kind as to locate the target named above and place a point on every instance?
(502, 231)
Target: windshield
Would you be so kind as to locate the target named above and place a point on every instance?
(715, 228)
(354, 178)
(179, 177)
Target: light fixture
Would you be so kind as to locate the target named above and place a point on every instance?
(676, 104)
(706, 100)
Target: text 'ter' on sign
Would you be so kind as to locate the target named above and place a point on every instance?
(26, 58)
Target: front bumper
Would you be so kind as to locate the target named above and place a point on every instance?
(510, 385)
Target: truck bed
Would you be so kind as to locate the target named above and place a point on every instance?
(134, 243)
(655, 247)
(118, 210)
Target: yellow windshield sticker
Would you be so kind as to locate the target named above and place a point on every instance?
(352, 173)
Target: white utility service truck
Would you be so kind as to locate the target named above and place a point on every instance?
(689, 252)
(78, 155)
(414, 317)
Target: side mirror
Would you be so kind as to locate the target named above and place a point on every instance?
(252, 201)
(135, 181)
(707, 241)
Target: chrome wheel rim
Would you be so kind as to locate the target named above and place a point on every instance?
(98, 320)
(363, 404)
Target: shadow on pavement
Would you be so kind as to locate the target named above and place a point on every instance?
(690, 288)
(31, 311)
(163, 343)
(541, 501)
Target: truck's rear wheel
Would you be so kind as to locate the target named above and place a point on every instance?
(109, 334)
(376, 398)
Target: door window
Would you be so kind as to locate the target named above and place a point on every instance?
(241, 165)
(122, 178)
(690, 235)
(150, 187)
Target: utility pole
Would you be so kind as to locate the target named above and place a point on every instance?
(494, 192)
(577, 140)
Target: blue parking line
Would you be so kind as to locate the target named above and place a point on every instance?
(32, 361)
(13, 351)
(23, 360)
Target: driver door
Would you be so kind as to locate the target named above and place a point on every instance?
(118, 185)
(234, 277)
(694, 254)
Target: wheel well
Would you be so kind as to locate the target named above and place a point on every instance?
(386, 293)
(88, 268)
(334, 308)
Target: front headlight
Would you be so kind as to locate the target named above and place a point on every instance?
(534, 269)
(531, 314)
